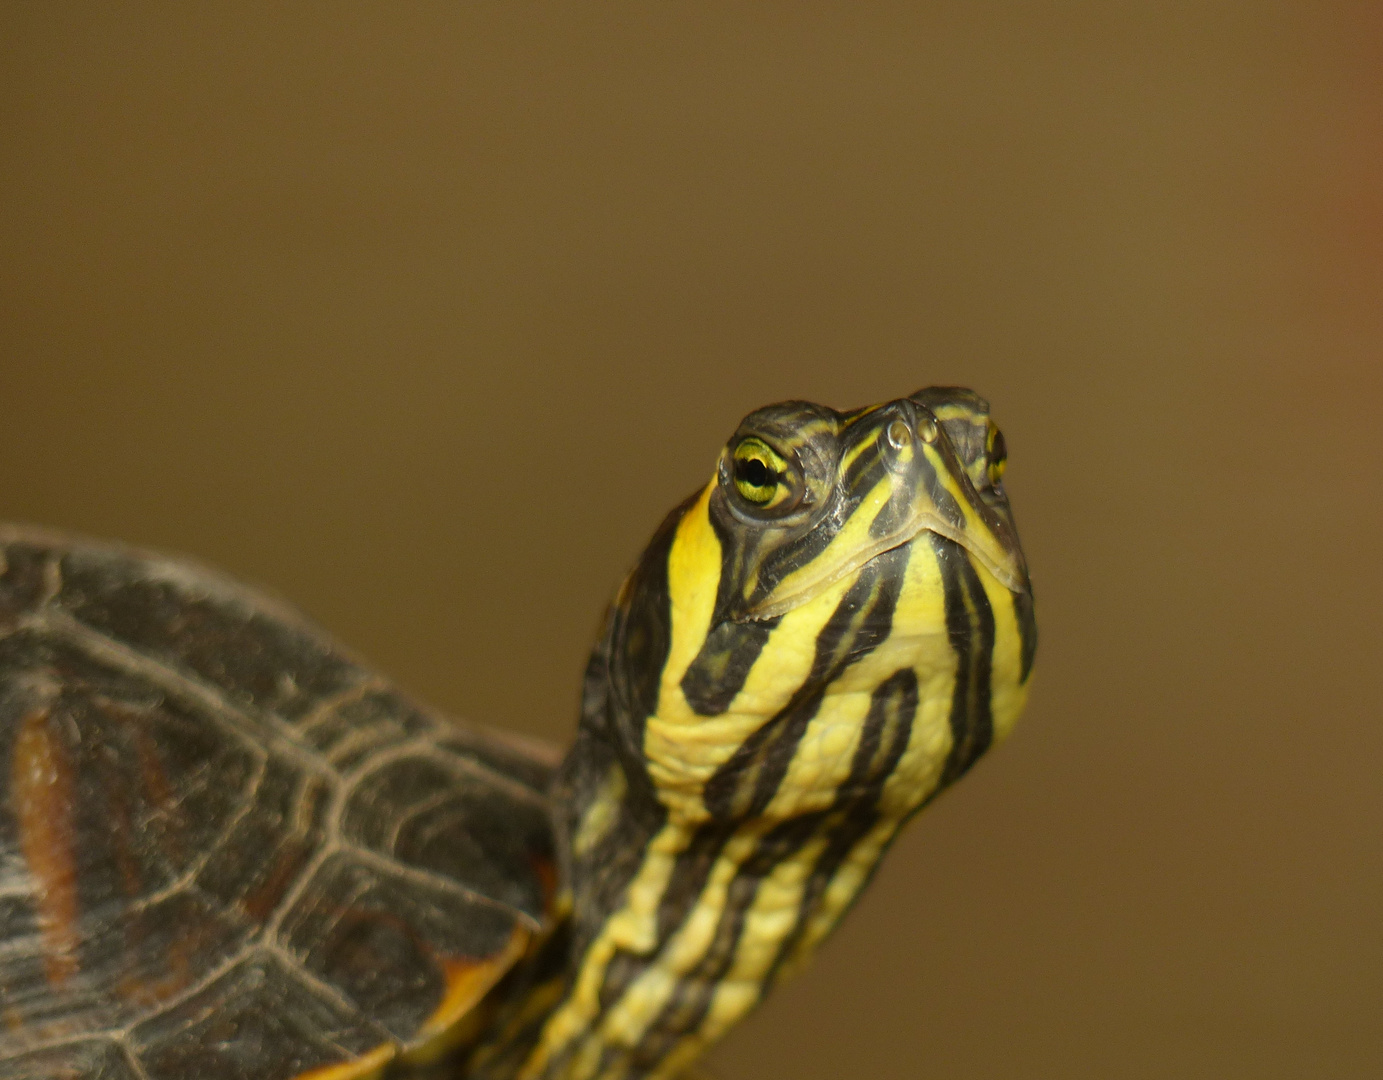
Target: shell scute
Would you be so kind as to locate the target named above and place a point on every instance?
(255, 655)
(440, 817)
(261, 1020)
(280, 826)
(383, 936)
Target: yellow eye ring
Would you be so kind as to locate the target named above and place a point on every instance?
(759, 473)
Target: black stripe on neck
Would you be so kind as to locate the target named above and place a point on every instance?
(970, 627)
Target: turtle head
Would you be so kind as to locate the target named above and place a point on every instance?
(832, 555)
(824, 636)
(804, 495)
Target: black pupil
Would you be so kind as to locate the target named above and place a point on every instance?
(999, 453)
(753, 472)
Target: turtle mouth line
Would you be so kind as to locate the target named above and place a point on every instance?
(779, 602)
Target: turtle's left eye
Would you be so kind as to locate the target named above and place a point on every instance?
(759, 474)
(998, 455)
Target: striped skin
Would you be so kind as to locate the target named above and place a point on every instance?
(813, 646)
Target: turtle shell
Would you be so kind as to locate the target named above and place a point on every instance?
(226, 848)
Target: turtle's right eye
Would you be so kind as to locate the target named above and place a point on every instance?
(998, 455)
(759, 474)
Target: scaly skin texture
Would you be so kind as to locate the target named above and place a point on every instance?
(835, 628)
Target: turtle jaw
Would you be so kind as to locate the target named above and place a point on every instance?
(1003, 565)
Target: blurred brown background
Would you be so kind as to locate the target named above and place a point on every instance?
(423, 317)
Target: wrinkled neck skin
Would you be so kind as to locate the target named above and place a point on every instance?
(734, 783)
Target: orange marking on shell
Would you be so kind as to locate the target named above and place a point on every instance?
(158, 789)
(261, 901)
(468, 981)
(177, 972)
(41, 779)
(367, 1065)
(122, 829)
(546, 871)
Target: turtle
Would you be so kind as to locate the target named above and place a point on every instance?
(230, 849)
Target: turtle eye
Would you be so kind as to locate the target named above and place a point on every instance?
(759, 474)
(998, 455)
